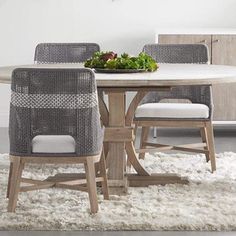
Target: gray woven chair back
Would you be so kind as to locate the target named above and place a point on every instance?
(180, 53)
(54, 102)
(64, 52)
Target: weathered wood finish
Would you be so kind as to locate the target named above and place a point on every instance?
(143, 140)
(203, 133)
(223, 49)
(104, 119)
(91, 184)
(9, 179)
(155, 179)
(17, 168)
(83, 182)
(211, 145)
(116, 154)
(118, 134)
(164, 147)
(224, 95)
(206, 130)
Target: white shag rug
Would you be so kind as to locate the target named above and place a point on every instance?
(207, 203)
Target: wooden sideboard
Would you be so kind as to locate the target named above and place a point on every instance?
(222, 51)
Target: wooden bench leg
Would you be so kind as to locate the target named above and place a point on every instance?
(211, 145)
(15, 183)
(91, 184)
(143, 139)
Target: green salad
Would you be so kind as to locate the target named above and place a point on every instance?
(110, 60)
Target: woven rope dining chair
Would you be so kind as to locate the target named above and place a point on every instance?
(46, 53)
(170, 108)
(54, 119)
(64, 52)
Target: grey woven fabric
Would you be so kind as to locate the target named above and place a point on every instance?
(180, 53)
(64, 52)
(54, 102)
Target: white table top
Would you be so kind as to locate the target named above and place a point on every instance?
(166, 75)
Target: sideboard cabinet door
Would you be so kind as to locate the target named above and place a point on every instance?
(222, 51)
(224, 95)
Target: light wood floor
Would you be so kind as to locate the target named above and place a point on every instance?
(225, 140)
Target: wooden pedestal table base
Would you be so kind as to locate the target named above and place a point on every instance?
(119, 135)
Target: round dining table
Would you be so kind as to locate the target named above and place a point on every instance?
(119, 131)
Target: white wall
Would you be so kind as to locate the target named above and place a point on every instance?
(119, 25)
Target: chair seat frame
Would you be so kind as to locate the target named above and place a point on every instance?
(75, 181)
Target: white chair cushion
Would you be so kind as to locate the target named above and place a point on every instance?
(53, 144)
(173, 110)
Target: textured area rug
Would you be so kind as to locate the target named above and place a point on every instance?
(207, 203)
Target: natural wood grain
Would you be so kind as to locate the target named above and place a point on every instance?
(170, 123)
(143, 139)
(104, 118)
(129, 146)
(223, 49)
(91, 183)
(103, 173)
(206, 133)
(17, 169)
(116, 155)
(117, 134)
(224, 95)
(133, 159)
(9, 179)
(211, 145)
(132, 107)
(75, 181)
(203, 133)
(191, 147)
(155, 179)
(36, 187)
(58, 160)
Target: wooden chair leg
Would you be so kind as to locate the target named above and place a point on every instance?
(204, 140)
(14, 188)
(91, 184)
(9, 179)
(103, 173)
(143, 139)
(211, 145)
